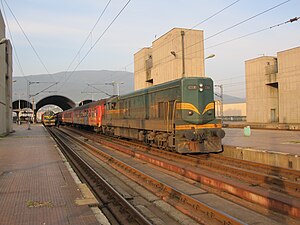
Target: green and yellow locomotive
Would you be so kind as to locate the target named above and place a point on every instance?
(49, 118)
(178, 115)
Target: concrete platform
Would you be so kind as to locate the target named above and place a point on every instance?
(269, 140)
(273, 147)
(35, 184)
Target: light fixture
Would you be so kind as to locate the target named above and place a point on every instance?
(210, 56)
(3, 40)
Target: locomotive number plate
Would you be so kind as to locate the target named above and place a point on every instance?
(192, 87)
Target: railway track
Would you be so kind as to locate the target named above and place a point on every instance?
(116, 208)
(179, 197)
(270, 187)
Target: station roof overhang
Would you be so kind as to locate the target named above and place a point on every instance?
(20, 104)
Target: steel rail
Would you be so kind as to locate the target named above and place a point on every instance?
(279, 179)
(134, 214)
(287, 206)
(284, 173)
(183, 202)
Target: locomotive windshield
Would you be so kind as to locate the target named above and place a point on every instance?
(49, 113)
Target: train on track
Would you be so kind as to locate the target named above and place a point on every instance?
(177, 116)
(49, 118)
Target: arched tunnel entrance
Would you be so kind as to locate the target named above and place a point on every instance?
(20, 105)
(54, 103)
(63, 102)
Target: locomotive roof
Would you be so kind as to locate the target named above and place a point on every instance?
(85, 106)
(159, 86)
(139, 92)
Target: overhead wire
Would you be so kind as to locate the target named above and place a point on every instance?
(190, 29)
(27, 38)
(208, 37)
(243, 76)
(89, 35)
(235, 25)
(100, 37)
(225, 42)
(250, 18)
(255, 32)
(12, 43)
(203, 21)
(40, 59)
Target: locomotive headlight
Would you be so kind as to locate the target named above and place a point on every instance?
(191, 113)
(201, 85)
(201, 89)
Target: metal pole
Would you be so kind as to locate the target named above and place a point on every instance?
(221, 87)
(118, 89)
(28, 104)
(183, 62)
(18, 114)
(33, 119)
(115, 88)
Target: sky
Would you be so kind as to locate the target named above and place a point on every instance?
(58, 28)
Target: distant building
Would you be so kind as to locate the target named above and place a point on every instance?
(272, 89)
(231, 111)
(5, 82)
(178, 53)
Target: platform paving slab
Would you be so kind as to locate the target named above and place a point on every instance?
(35, 185)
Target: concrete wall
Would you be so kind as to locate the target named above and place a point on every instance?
(5, 83)
(2, 27)
(289, 85)
(261, 97)
(164, 60)
(279, 159)
(2, 80)
(140, 68)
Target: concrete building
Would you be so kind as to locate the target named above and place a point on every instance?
(272, 89)
(178, 53)
(5, 82)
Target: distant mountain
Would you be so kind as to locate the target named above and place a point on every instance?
(228, 99)
(81, 85)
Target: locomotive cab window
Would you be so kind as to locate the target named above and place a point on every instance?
(110, 105)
